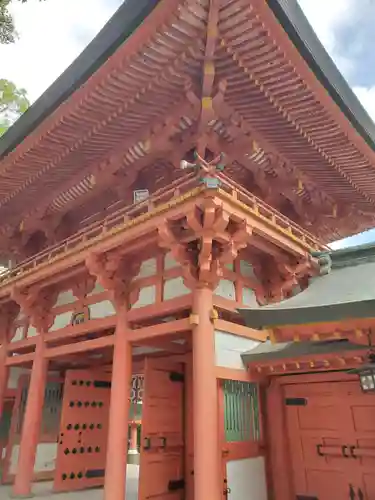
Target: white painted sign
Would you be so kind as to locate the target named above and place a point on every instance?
(140, 195)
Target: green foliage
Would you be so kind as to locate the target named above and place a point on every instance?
(8, 33)
(13, 102)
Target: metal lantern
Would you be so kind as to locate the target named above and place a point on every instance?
(367, 378)
(366, 373)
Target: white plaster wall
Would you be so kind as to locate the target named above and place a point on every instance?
(226, 289)
(229, 347)
(18, 335)
(145, 350)
(247, 479)
(170, 262)
(61, 321)
(148, 268)
(249, 297)
(97, 289)
(101, 309)
(32, 331)
(21, 315)
(15, 372)
(175, 288)
(246, 269)
(65, 297)
(14, 375)
(45, 459)
(147, 296)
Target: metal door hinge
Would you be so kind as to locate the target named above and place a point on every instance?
(176, 377)
(296, 401)
(306, 497)
(178, 484)
(93, 473)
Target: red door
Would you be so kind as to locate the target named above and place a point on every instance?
(82, 441)
(162, 444)
(331, 429)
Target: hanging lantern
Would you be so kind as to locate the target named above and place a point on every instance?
(366, 372)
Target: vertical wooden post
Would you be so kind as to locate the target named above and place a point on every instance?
(31, 422)
(279, 451)
(115, 472)
(207, 478)
(4, 375)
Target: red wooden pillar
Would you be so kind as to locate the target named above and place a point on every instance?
(281, 481)
(31, 423)
(207, 477)
(115, 472)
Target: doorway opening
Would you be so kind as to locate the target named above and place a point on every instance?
(156, 431)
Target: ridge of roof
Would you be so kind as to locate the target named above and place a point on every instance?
(119, 27)
(345, 257)
(267, 351)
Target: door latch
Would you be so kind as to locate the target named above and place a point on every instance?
(227, 490)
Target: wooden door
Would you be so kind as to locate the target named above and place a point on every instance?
(331, 429)
(361, 441)
(82, 440)
(44, 466)
(162, 467)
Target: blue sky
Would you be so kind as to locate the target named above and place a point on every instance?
(54, 32)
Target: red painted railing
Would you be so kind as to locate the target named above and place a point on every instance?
(266, 212)
(179, 187)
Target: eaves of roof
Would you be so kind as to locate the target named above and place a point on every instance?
(300, 32)
(121, 25)
(127, 19)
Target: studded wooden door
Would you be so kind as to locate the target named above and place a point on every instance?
(82, 441)
(162, 467)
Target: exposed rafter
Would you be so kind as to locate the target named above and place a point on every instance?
(208, 78)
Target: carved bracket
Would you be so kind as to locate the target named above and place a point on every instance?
(8, 314)
(203, 242)
(36, 303)
(115, 274)
(282, 277)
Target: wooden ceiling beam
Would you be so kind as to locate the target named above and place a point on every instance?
(207, 113)
(156, 137)
(326, 143)
(236, 124)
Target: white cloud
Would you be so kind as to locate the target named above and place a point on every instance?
(52, 34)
(325, 15)
(367, 97)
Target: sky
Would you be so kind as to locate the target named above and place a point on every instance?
(52, 33)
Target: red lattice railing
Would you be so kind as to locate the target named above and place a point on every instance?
(121, 218)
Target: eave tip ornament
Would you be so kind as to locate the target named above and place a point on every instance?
(208, 169)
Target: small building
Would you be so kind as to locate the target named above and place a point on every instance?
(319, 370)
(163, 205)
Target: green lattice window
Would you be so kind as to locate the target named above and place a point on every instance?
(241, 411)
(5, 422)
(51, 409)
